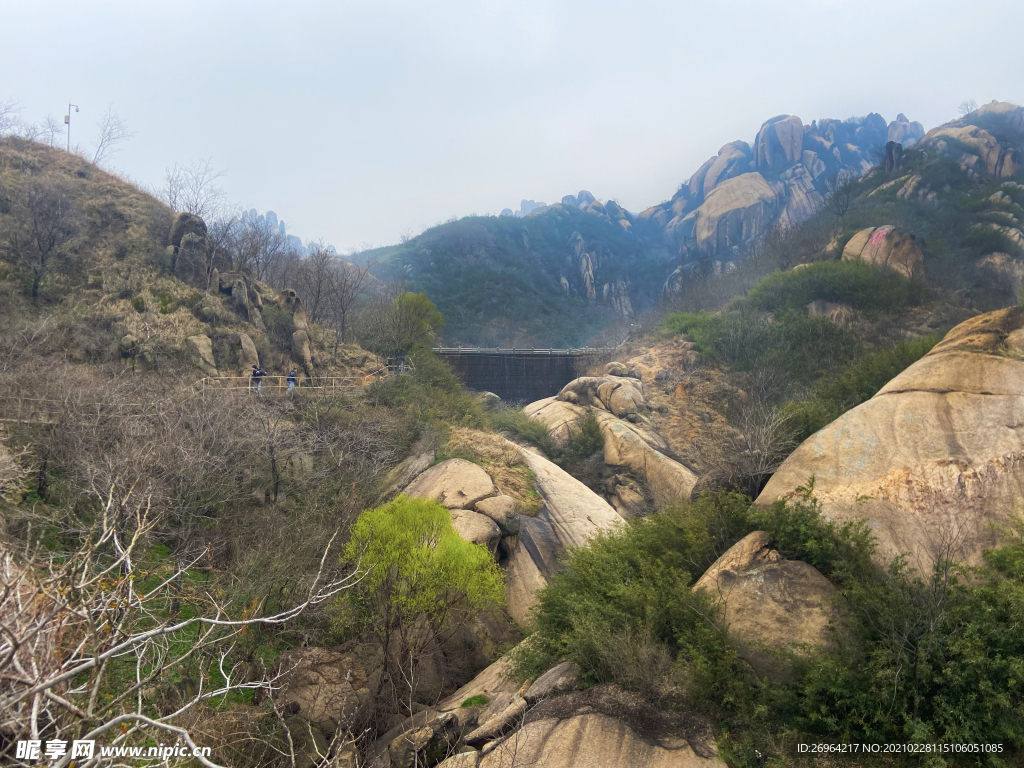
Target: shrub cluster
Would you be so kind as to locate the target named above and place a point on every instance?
(920, 657)
(792, 342)
(854, 283)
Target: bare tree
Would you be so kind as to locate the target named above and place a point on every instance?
(967, 107)
(838, 195)
(113, 131)
(349, 284)
(51, 220)
(52, 128)
(315, 281)
(257, 248)
(193, 188)
(73, 626)
(8, 116)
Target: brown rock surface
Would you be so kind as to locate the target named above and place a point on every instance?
(502, 510)
(202, 347)
(249, 356)
(569, 516)
(887, 246)
(476, 528)
(973, 147)
(936, 456)
(329, 688)
(734, 212)
(603, 728)
(455, 484)
(632, 446)
(770, 604)
(560, 418)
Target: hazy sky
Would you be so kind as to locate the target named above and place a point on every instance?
(355, 121)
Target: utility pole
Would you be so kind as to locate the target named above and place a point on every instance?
(67, 122)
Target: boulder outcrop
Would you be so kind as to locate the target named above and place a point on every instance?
(734, 212)
(889, 247)
(185, 224)
(936, 457)
(330, 689)
(202, 348)
(905, 132)
(618, 404)
(454, 484)
(569, 516)
(476, 528)
(769, 604)
(779, 143)
(976, 148)
(249, 356)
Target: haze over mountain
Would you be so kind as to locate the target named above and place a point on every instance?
(359, 122)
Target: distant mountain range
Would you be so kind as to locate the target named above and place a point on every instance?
(555, 274)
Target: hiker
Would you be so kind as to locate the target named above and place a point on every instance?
(256, 378)
(291, 380)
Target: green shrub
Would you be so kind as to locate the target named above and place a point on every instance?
(801, 347)
(475, 701)
(855, 283)
(517, 423)
(859, 381)
(920, 658)
(585, 442)
(432, 393)
(139, 304)
(622, 606)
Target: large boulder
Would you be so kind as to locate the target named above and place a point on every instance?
(455, 484)
(303, 351)
(202, 349)
(560, 418)
(330, 689)
(502, 510)
(640, 450)
(185, 224)
(735, 212)
(936, 457)
(249, 356)
(476, 528)
(570, 515)
(619, 395)
(903, 131)
(603, 727)
(889, 247)
(770, 604)
(779, 143)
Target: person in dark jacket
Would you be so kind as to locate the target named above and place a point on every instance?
(256, 378)
(292, 380)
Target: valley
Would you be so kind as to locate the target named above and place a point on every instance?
(774, 500)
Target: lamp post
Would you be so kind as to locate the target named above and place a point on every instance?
(67, 122)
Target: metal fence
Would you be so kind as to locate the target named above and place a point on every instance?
(278, 385)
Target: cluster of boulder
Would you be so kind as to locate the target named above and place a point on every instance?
(609, 211)
(976, 149)
(187, 241)
(737, 194)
